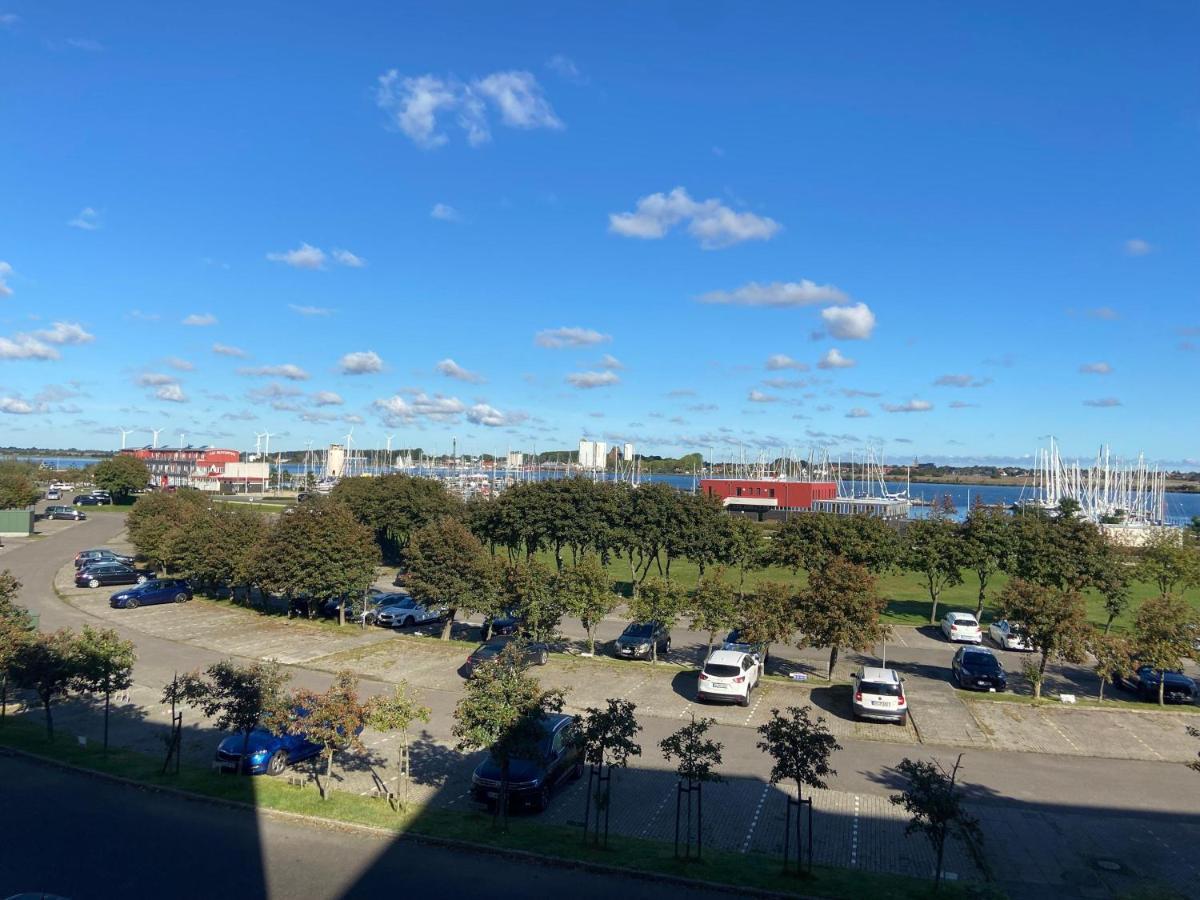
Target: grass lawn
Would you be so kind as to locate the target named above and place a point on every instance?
(524, 833)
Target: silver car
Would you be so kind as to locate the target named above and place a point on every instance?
(406, 612)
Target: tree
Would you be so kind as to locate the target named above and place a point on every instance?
(986, 545)
(529, 589)
(714, 605)
(841, 608)
(743, 547)
(1163, 631)
(1113, 586)
(104, 665)
(697, 758)
(156, 519)
(768, 615)
(16, 629)
(1169, 562)
(605, 737)
(121, 475)
(219, 547)
(1066, 552)
(586, 592)
(47, 665)
(801, 749)
(1052, 620)
(502, 711)
(397, 712)
(17, 487)
(934, 802)
(447, 564)
(396, 506)
(657, 601)
(934, 551)
(334, 719)
(1112, 656)
(810, 541)
(237, 696)
(1194, 765)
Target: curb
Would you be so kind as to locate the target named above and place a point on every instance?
(529, 856)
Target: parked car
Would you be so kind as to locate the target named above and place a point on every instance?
(1005, 637)
(100, 554)
(760, 651)
(977, 669)
(90, 500)
(407, 611)
(507, 622)
(638, 638)
(531, 782)
(54, 494)
(101, 494)
(1177, 687)
(109, 573)
(728, 675)
(535, 653)
(156, 590)
(64, 512)
(961, 626)
(879, 694)
(266, 753)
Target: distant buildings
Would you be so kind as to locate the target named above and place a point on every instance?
(203, 468)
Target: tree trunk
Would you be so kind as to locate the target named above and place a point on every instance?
(1162, 685)
(328, 775)
(591, 636)
(341, 613)
(449, 626)
(1101, 698)
(833, 655)
(982, 599)
(933, 599)
(243, 762)
(941, 850)
(49, 719)
(711, 640)
(669, 568)
(653, 652)
(107, 698)
(1037, 685)
(1108, 624)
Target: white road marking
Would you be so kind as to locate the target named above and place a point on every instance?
(1132, 731)
(654, 818)
(1049, 720)
(753, 710)
(754, 819)
(854, 835)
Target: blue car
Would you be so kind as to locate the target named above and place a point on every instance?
(157, 590)
(267, 753)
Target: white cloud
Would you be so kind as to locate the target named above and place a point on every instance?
(451, 369)
(519, 98)
(564, 66)
(1103, 402)
(849, 323)
(327, 398)
(414, 104)
(9, 19)
(181, 365)
(779, 361)
(445, 212)
(348, 259)
(483, 414)
(833, 359)
(712, 223)
(397, 410)
(200, 319)
(227, 350)
(305, 256)
(6, 271)
(857, 413)
(760, 397)
(588, 380)
(289, 371)
(1137, 247)
(778, 294)
(155, 379)
(65, 333)
(1096, 368)
(961, 381)
(88, 219)
(310, 310)
(557, 338)
(909, 407)
(25, 346)
(1104, 312)
(364, 362)
(15, 406)
(172, 393)
(962, 404)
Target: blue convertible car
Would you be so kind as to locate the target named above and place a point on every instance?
(266, 753)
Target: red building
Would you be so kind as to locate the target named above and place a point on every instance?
(768, 493)
(176, 466)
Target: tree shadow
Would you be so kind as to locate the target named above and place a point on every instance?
(432, 762)
(908, 609)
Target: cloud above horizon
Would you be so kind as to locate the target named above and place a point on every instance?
(713, 224)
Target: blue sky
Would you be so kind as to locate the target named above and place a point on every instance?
(716, 228)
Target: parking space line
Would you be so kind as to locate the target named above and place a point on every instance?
(1132, 731)
(654, 818)
(754, 819)
(1049, 721)
(753, 710)
(854, 835)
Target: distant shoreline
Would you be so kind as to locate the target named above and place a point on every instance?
(1179, 487)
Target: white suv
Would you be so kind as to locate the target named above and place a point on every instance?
(961, 626)
(879, 694)
(728, 675)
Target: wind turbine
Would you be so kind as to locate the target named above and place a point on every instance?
(156, 432)
(267, 448)
(257, 445)
(181, 440)
(125, 432)
(349, 464)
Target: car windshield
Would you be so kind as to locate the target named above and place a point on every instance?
(880, 688)
(984, 662)
(963, 620)
(722, 671)
(639, 630)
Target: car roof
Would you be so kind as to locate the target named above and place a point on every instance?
(727, 657)
(976, 651)
(960, 615)
(875, 673)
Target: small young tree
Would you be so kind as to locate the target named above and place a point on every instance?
(987, 543)
(47, 664)
(585, 591)
(605, 738)
(933, 550)
(1169, 561)
(237, 696)
(529, 589)
(397, 712)
(1163, 631)
(502, 712)
(935, 804)
(841, 608)
(1112, 655)
(697, 758)
(714, 605)
(659, 601)
(801, 749)
(1053, 621)
(334, 719)
(104, 665)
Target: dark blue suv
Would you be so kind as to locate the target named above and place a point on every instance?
(532, 781)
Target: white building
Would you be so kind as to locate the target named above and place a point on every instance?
(593, 454)
(515, 459)
(335, 461)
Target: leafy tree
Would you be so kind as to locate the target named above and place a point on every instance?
(1053, 621)
(237, 696)
(1113, 586)
(769, 614)
(810, 541)
(701, 534)
(397, 712)
(334, 719)
(841, 608)
(697, 759)
(16, 628)
(714, 605)
(1066, 552)
(502, 711)
(46, 664)
(121, 476)
(529, 587)
(104, 665)
(648, 520)
(1112, 657)
(17, 487)
(1169, 562)
(586, 592)
(1163, 631)
(934, 802)
(447, 564)
(933, 551)
(743, 547)
(395, 507)
(605, 737)
(657, 601)
(156, 520)
(986, 544)
(219, 547)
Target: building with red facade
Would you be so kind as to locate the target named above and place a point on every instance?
(768, 493)
(204, 468)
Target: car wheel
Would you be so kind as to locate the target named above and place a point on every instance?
(543, 799)
(577, 770)
(543, 658)
(903, 720)
(131, 603)
(277, 763)
(409, 622)
(95, 582)
(667, 646)
(141, 579)
(181, 597)
(744, 700)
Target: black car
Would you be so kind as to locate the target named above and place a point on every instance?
(64, 512)
(977, 669)
(1177, 687)
(91, 500)
(86, 558)
(535, 653)
(735, 640)
(639, 638)
(506, 623)
(531, 782)
(109, 573)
